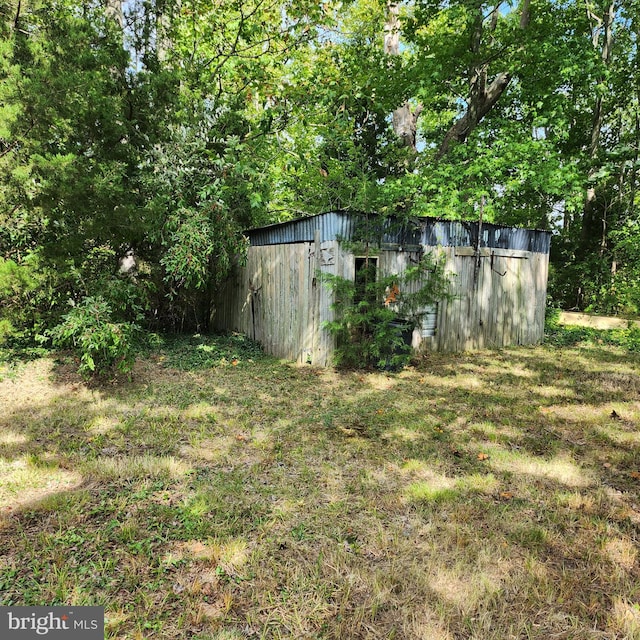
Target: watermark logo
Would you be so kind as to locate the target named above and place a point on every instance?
(52, 623)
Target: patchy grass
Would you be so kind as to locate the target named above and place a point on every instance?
(224, 495)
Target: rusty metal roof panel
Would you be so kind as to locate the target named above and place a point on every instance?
(426, 231)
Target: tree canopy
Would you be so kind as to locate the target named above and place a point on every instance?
(159, 130)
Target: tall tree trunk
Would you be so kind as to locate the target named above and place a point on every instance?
(163, 39)
(483, 94)
(404, 118)
(634, 166)
(603, 25)
(113, 9)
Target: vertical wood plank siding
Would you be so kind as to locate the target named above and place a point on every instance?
(502, 304)
(277, 298)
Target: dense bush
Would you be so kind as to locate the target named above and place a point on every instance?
(102, 345)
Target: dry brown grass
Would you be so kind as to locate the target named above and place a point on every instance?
(486, 496)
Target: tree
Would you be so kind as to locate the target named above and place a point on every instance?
(123, 145)
(162, 129)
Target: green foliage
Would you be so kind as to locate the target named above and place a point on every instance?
(29, 292)
(197, 352)
(101, 344)
(568, 336)
(14, 283)
(149, 140)
(375, 316)
(605, 281)
(170, 137)
(368, 334)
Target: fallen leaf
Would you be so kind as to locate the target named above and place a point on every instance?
(507, 495)
(483, 456)
(635, 475)
(241, 437)
(607, 465)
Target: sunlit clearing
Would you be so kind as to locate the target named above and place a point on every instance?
(195, 550)
(22, 483)
(115, 618)
(228, 554)
(10, 437)
(461, 382)
(425, 471)
(577, 501)
(621, 552)
(434, 487)
(405, 434)
(199, 411)
(560, 469)
(478, 483)
(380, 382)
(284, 507)
(197, 507)
(619, 436)
(492, 432)
(212, 449)
(136, 467)
(422, 627)
(426, 492)
(233, 554)
(333, 482)
(102, 424)
(465, 587)
(520, 372)
(625, 618)
(599, 414)
(555, 392)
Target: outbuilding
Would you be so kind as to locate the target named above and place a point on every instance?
(498, 281)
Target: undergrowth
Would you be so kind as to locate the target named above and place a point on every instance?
(201, 351)
(559, 335)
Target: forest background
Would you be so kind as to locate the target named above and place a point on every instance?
(160, 129)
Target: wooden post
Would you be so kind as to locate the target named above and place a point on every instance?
(316, 295)
(478, 243)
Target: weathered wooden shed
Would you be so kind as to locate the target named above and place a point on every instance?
(498, 279)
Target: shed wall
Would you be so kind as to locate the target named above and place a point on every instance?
(278, 300)
(498, 299)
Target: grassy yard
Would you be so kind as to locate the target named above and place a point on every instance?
(224, 495)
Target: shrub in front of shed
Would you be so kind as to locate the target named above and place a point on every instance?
(375, 316)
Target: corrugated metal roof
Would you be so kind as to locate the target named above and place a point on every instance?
(331, 225)
(427, 231)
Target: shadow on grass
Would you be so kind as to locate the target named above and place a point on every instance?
(489, 495)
